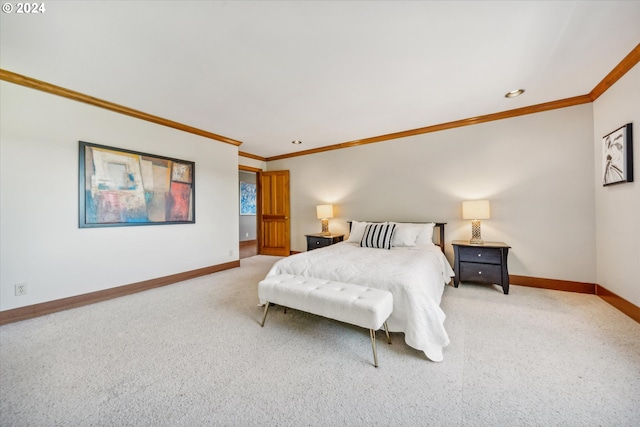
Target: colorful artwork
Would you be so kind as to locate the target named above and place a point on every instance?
(247, 198)
(122, 187)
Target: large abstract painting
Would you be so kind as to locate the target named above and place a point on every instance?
(247, 198)
(122, 187)
(617, 156)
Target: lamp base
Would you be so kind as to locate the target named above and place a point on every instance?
(325, 227)
(476, 238)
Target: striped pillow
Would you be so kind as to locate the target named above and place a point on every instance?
(378, 236)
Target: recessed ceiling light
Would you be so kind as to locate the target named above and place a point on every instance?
(514, 93)
(297, 142)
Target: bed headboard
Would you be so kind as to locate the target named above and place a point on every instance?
(438, 225)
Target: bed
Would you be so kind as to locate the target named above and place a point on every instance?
(413, 269)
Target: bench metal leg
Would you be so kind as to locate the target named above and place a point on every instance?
(386, 331)
(372, 334)
(264, 317)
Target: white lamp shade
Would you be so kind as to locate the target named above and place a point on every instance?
(324, 211)
(476, 209)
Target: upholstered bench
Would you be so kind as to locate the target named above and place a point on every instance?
(358, 305)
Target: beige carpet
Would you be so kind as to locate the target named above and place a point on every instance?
(193, 354)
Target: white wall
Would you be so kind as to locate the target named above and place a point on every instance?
(40, 242)
(618, 206)
(537, 171)
(246, 161)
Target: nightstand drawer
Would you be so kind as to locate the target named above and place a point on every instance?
(315, 241)
(486, 273)
(318, 242)
(479, 254)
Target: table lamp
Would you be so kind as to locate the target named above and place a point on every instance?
(476, 210)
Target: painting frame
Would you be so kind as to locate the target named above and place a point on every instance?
(119, 187)
(248, 192)
(617, 156)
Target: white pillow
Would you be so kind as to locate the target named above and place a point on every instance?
(378, 235)
(405, 234)
(357, 231)
(425, 237)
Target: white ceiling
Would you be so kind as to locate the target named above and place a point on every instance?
(324, 72)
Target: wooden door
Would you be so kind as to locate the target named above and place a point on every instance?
(274, 214)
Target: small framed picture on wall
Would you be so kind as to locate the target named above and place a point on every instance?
(247, 198)
(617, 156)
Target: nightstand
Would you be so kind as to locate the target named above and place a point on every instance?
(315, 241)
(485, 263)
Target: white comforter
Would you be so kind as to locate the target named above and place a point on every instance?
(416, 277)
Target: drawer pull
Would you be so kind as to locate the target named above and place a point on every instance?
(479, 254)
(317, 243)
(480, 272)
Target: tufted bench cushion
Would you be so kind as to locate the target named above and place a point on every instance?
(355, 304)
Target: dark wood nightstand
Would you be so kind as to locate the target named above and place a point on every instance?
(485, 263)
(315, 241)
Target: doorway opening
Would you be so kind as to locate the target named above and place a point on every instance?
(248, 232)
(266, 230)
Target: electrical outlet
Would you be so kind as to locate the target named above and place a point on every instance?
(230, 252)
(246, 234)
(21, 289)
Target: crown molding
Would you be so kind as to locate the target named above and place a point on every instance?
(251, 156)
(562, 103)
(620, 70)
(29, 82)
